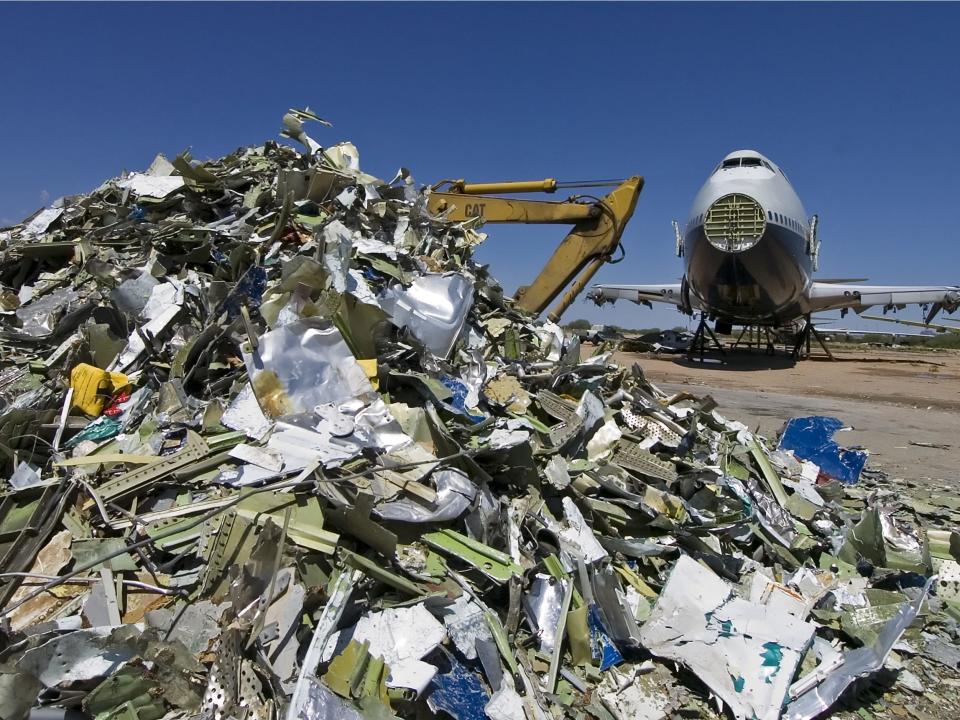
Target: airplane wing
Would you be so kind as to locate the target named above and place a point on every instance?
(894, 333)
(640, 294)
(914, 323)
(830, 296)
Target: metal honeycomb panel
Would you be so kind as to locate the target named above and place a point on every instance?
(734, 223)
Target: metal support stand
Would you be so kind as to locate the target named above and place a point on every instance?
(699, 343)
(803, 341)
(823, 343)
(739, 337)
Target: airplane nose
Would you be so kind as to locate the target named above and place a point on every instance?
(734, 223)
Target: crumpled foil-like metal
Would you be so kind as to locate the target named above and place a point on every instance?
(377, 426)
(136, 345)
(576, 536)
(542, 605)
(772, 517)
(341, 433)
(858, 662)
(617, 615)
(455, 493)
(551, 340)
(244, 414)
(76, 656)
(301, 365)
(321, 703)
(39, 317)
(433, 308)
(338, 243)
(401, 636)
(466, 625)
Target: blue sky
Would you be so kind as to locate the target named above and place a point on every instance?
(857, 102)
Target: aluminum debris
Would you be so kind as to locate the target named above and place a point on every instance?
(275, 446)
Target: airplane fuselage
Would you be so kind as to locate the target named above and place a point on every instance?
(749, 255)
(746, 245)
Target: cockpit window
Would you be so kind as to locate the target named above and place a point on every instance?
(742, 162)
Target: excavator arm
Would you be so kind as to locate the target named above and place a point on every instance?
(597, 228)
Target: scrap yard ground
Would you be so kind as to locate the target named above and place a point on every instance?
(892, 398)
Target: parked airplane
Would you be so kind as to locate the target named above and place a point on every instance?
(750, 253)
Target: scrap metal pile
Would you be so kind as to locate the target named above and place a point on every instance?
(274, 445)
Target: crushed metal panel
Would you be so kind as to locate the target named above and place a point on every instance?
(746, 653)
(76, 656)
(858, 662)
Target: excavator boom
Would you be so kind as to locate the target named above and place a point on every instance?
(595, 236)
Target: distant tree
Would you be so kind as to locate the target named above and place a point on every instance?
(579, 324)
(946, 340)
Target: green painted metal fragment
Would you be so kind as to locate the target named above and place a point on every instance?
(374, 570)
(496, 565)
(769, 474)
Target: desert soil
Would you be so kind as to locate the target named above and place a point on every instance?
(891, 398)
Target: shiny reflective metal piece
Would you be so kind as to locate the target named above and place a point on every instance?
(858, 662)
(434, 308)
(542, 605)
(301, 365)
(455, 493)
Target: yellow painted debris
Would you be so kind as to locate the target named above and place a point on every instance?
(92, 387)
(370, 368)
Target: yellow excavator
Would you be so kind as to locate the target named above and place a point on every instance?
(598, 225)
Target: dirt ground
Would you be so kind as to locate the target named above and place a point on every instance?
(891, 399)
